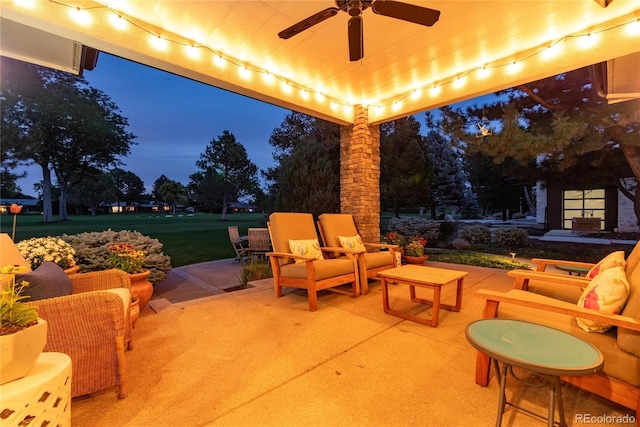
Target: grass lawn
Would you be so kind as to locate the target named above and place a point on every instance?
(187, 239)
(191, 239)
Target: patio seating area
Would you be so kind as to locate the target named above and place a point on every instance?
(248, 358)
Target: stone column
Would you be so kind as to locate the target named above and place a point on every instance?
(360, 174)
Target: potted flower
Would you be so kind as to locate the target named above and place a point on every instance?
(414, 250)
(394, 238)
(40, 249)
(127, 258)
(23, 334)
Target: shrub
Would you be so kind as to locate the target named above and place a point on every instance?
(92, 251)
(416, 226)
(461, 244)
(255, 270)
(447, 229)
(511, 237)
(476, 234)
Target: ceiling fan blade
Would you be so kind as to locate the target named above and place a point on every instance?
(406, 12)
(308, 22)
(356, 39)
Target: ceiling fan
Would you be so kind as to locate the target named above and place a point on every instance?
(393, 9)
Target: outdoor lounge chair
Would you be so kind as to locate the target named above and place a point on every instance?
(334, 226)
(304, 271)
(239, 247)
(92, 324)
(619, 381)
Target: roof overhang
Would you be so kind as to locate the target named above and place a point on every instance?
(476, 48)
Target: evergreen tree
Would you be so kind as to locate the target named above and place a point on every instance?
(225, 172)
(405, 170)
(448, 187)
(298, 130)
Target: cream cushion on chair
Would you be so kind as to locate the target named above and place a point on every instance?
(606, 293)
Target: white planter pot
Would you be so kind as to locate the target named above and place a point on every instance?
(19, 351)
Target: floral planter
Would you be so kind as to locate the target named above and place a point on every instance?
(415, 259)
(20, 351)
(141, 288)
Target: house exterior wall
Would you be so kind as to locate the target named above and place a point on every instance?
(620, 212)
(360, 174)
(627, 220)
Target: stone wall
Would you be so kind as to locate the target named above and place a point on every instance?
(360, 174)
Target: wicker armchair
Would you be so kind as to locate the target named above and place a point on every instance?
(93, 327)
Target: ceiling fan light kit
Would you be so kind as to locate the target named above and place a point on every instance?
(355, 32)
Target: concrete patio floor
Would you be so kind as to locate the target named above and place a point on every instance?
(246, 358)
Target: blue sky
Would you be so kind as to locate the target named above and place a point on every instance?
(174, 119)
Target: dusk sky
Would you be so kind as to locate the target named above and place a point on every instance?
(174, 119)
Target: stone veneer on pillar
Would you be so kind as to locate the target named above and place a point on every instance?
(360, 174)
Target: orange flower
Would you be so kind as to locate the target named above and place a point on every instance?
(15, 209)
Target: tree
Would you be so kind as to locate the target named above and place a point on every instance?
(561, 118)
(448, 185)
(226, 173)
(155, 192)
(299, 129)
(172, 192)
(96, 188)
(309, 175)
(56, 120)
(405, 170)
(127, 186)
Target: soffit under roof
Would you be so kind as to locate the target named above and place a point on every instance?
(407, 68)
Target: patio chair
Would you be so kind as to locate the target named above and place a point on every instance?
(619, 380)
(259, 242)
(92, 324)
(311, 272)
(239, 246)
(544, 282)
(334, 226)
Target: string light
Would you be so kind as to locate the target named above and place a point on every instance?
(550, 50)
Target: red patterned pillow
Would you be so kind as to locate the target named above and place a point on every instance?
(614, 259)
(606, 293)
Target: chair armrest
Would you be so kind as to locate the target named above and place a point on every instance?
(522, 278)
(541, 263)
(527, 299)
(100, 280)
(382, 246)
(341, 250)
(289, 255)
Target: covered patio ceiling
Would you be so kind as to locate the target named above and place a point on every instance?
(475, 48)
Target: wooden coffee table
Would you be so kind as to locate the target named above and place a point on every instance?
(425, 277)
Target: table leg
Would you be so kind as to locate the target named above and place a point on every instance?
(385, 294)
(503, 398)
(459, 287)
(435, 313)
(558, 392)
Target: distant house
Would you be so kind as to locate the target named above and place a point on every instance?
(558, 204)
(29, 206)
(242, 207)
